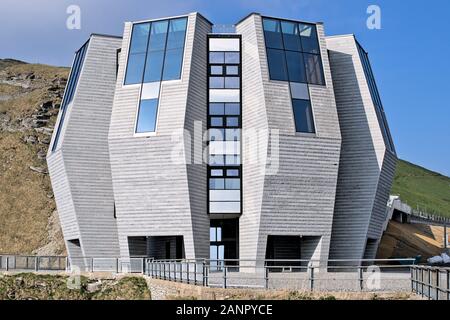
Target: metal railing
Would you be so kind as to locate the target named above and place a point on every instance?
(15, 263)
(33, 263)
(431, 282)
(331, 275)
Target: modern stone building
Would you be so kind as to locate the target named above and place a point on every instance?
(265, 140)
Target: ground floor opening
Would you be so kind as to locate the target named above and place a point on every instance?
(157, 247)
(223, 242)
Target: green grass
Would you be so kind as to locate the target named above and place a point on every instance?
(418, 186)
(29, 286)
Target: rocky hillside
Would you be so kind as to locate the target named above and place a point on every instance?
(30, 96)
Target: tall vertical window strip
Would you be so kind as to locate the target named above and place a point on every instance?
(70, 89)
(293, 51)
(156, 51)
(224, 126)
(381, 116)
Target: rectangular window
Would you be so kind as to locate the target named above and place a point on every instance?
(216, 82)
(136, 64)
(308, 34)
(293, 51)
(173, 64)
(314, 71)
(232, 57)
(296, 66)
(147, 113)
(303, 116)
(272, 33)
(158, 48)
(216, 108)
(232, 82)
(216, 70)
(291, 38)
(232, 70)
(138, 49)
(277, 64)
(232, 109)
(154, 66)
(217, 57)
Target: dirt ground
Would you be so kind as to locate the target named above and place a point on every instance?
(410, 240)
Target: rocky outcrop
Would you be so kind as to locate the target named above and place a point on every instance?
(30, 98)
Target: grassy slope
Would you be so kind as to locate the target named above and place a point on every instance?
(54, 287)
(25, 207)
(418, 186)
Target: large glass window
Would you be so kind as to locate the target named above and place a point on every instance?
(293, 51)
(272, 33)
(277, 64)
(291, 37)
(156, 51)
(147, 113)
(303, 116)
(156, 54)
(138, 49)
(308, 34)
(296, 67)
(175, 46)
(314, 71)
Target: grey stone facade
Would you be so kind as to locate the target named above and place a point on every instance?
(120, 193)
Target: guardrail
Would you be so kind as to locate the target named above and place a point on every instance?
(431, 282)
(15, 263)
(33, 263)
(331, 275)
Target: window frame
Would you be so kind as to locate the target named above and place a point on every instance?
(183, 54)
(304, 133)
(140, 85)
(236, 161)
(284, 50)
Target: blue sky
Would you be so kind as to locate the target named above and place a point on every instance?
(409, 55)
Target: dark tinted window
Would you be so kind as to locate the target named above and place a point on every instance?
(308, 33)
(295, 41)
(277, 64)
(291, 37)
(296, 66)
(272, 33)
(303, 116)
(314, 71)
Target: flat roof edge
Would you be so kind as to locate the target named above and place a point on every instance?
(105, 35)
